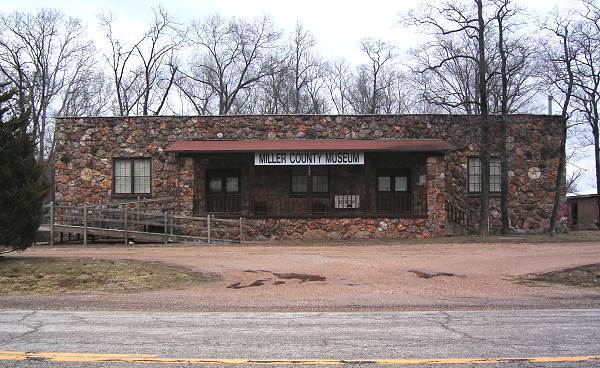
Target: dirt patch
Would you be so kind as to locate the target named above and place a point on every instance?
(429, 275)
(369, 277)
(41, 275)
(583, 276)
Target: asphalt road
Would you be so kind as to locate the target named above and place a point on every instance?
(289, 336)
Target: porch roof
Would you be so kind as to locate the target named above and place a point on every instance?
(310, 145)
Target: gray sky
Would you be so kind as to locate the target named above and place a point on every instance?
(337, 25)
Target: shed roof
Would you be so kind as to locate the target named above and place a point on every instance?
(305, 145)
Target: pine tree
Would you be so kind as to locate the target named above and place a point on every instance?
(22, 189)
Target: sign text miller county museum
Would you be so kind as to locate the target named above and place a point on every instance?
(309, 158)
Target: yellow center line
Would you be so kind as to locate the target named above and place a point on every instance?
(157, 359)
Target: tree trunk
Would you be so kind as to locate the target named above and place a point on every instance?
(563, 138)
(484, 141)
(504, 182)
(560, 177)
(597, 158)
(504, 188)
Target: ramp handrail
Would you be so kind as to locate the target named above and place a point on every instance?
(127, 222)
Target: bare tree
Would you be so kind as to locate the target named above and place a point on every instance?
(157, 53)
(303, 67)
(367, 87)
(469, 20)
(560, 57)
(337, 81)
(294, 81)
(232, 56)
(447, 80)
(316, 102)
(586, 39)
(123, 74)
(576, 174)
(199, 95)
(515, 86)
(144, 73)
(503, 14)
(44, 55)
(272, 90)
(88, 95)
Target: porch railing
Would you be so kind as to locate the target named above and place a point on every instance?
(223, 203)
(315, 205)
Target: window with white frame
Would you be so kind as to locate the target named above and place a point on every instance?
(474, 167)
(131, 175)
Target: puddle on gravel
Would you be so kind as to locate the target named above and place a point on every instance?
(303, 277)
(300, 276)
(429, 275)
(238, 285)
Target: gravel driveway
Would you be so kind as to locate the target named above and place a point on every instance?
(356, 277)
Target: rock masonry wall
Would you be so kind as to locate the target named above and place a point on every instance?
(85, 148)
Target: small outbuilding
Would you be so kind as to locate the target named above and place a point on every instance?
(583, 212)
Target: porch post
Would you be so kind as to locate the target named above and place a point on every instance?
(250, 190)
(436, 195)
(368, 183)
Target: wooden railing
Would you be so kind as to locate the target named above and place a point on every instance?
(126, 223)
(459, 216)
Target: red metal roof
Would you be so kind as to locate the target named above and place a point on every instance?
(311, 145)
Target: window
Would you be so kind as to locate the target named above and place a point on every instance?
(393, 194)
(223, 191)
(313, 179)
(223, 182)
(392, 181)
(384, 183)
(320, 179)
(495, 175)
(475, 175)
(400, 184)
(131, 175)
(232, 184)
(299, 180)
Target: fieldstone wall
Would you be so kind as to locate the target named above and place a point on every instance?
(338, 228)
(85, 148)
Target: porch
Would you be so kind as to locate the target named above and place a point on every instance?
(386, 185)
(313, 178)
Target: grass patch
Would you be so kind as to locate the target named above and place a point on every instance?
(42, 275)
(583, 276)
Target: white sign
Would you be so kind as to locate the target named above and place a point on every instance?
(309, 158)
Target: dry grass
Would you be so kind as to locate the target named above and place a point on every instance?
(41, 275)
(582, 276)
(570, 237)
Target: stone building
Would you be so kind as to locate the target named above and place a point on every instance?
(313, 176)
(583, 212)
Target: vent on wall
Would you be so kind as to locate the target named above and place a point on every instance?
(347, 201)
